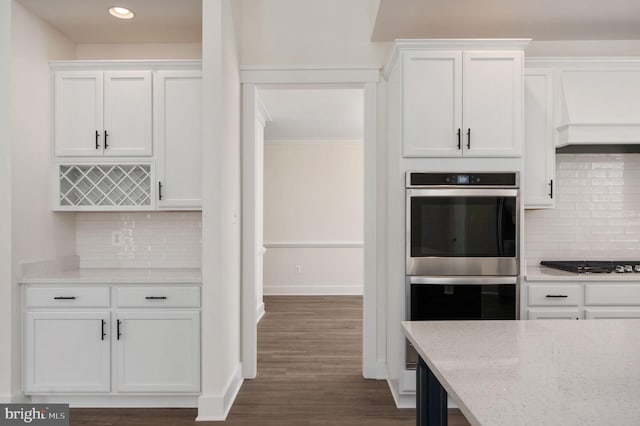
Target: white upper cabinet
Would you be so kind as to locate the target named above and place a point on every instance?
(178, 109)
(102, 113)
(78, 113)
(127, 113)
(539, 138)
(492, 104)
(462, 103)
(432, 103)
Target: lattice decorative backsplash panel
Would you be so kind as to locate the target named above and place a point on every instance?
(122, 185)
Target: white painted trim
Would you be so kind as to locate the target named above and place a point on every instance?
(260, 312)
(310, 75)
(177, 64)
(249, 331)
(602, 63)
(216, 408)
(366, 78)
(402, 401)
(453, 44)
(315, 141)
(119, 401)
(262, 113)
(313, 290)
(314, 244)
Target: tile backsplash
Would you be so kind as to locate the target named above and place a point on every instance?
(139, 240)
(597, 213)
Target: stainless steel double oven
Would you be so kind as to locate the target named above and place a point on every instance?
(462, 247)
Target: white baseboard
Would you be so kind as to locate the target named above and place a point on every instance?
(259, 312)
(13, 399)
(402, 401)
(212, 408)
(119, 401)
(313, 290)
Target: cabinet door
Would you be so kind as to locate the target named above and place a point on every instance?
(78, 113)
(608, 313)
(157, 351)
(432, 103)
(66, 352)
(539, 148)
(492, 104)
(127, 113)
(178, 124)
(553, 313)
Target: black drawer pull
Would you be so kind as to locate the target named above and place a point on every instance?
(103, 334)
(560, 296)
(64, 298)
(156, 297)
(118, 334)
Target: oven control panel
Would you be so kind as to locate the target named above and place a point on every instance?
(509, 179)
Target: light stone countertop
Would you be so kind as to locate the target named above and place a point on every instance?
(116, 276)
(544, 372)
(542, 273)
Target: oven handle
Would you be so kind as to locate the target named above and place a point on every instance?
(463, 192)
(463, 280)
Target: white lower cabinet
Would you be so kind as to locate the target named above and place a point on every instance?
(157, 351)
(66, 352)
(612, 312)
(597, 300)
(90, 341)
(553, 313)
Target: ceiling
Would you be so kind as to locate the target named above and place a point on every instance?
(318, 113)
(156, 21)
(536, 19)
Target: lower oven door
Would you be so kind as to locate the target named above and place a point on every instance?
(460, 298)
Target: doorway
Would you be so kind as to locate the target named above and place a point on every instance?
(296, 82)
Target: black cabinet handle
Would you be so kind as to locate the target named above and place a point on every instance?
(551, 188)
(557, 296)
(97, 136)
(156, 297)
(106, 135)
(459, 138)
(64, 298)
(118, 334)
(102, 333)
(159, 190)
(469, 138)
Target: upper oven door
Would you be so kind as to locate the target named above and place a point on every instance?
(462, 231)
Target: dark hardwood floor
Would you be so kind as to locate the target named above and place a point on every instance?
(309, 373)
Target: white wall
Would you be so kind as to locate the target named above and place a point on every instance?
(283, 32)
(139, 51)
(37, 233)
(597, 213)
(6, 284)
(313, 217)
(221, 367)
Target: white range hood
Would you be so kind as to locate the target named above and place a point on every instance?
(599, 107)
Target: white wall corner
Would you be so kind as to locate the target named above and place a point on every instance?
(217, 407)
(260, 312)
(375, 371)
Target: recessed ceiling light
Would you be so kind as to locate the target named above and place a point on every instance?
(121, 12)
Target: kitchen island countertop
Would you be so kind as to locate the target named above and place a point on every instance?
(544, 372)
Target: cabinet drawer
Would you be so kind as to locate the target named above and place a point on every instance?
(67, 297)
(555, 294)
(157, 296)
(612, 294)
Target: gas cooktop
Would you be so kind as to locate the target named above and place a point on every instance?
(594, 266)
